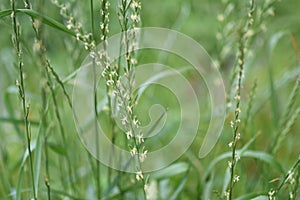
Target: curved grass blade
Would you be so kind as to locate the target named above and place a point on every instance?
(5, 13)
(260, 155)
(10, 110)
(171, 171)
(20, 177)
(38, 158)
(225, 155)
(46, 20)
(253, 196)
(19, 185)
(180, 187)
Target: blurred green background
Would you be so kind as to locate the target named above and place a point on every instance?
(273, 62)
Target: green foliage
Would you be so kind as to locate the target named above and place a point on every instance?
(253, 43)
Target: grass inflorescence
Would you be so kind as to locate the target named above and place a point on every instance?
(255, 46)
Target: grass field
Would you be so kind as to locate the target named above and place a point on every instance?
(55, 116)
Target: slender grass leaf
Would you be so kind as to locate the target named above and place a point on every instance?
(207, 186)
(287, 77)
(261, 198)
(57, 148)
(226, 180)
(45, 19)
(15, 121)
(65, 194)
(172, 170)
(263, 156)
(4, 13)
(227, 155)
(274, 40)
(19, 185)
(273, 100)
(260, 155)
(179, 188)
(253, 196)
(10, 110)
(38, 158)
(20, 177)
(247, 145)
(157, 76)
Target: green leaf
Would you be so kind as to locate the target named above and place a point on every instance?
(263, 156)
(172, 170)
(207, 187)
(5, 13)
(20, 177)
(227, 155)
(65, 194)
(180, 187)
(261, 198)
(10, 108)
(273, 99)
(260, 155)
(253, 196)
(46, 20)
(57, 148)
(38, 158)
(226, 181)
(19, 184)
(15, 121)
(274, 40)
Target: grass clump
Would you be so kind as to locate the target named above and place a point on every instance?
(255, 47)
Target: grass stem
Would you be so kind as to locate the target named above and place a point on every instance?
(21, 87)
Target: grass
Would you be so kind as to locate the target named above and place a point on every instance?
(255, 45)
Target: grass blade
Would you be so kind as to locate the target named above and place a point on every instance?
(46, 20)
(21, 171)
(5, 13)
(38, 158)
(265, 157)
(171, 171)
(19, 185)
(179, 188)
(260, 155)
(10, 110)
(253, 196)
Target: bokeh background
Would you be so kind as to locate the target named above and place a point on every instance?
(272, 64)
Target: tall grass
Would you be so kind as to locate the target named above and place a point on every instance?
(41, 156)
(21, 87)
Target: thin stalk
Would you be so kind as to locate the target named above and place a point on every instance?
(116, 178)
(92, 17)
(44, 122)
(95, 80)
(129, 102)
(47, 178)
(287, 176)
(113, 133)
(17, 121)
(42, 57)
(61, 84)
(236, 122)
(250, 104)
(137, 145)
(21, 86)
(236, 134)
(98, 168)
(45, 62)
(286, 118)
(104, 33)
(61, 128)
